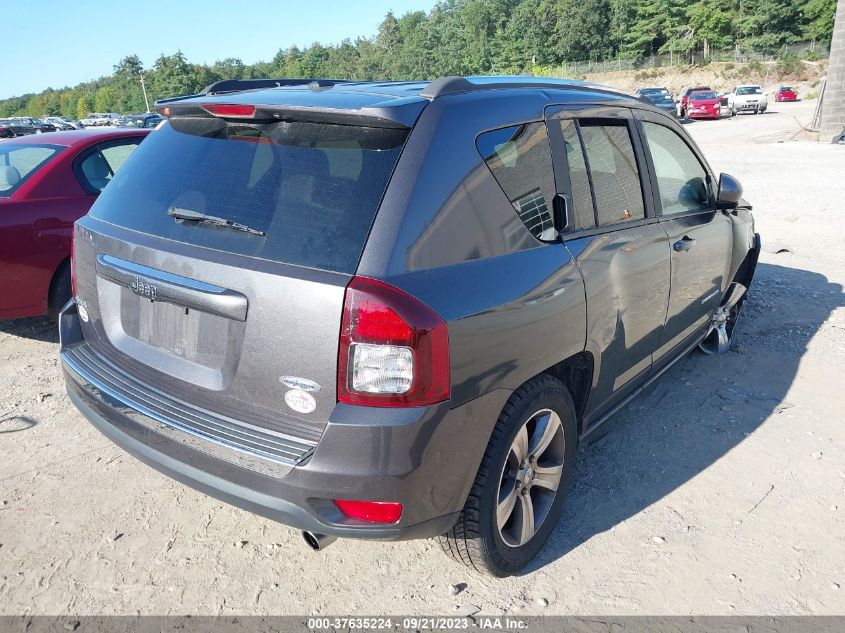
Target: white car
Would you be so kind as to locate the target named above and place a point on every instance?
(95, 118)
(749, 98)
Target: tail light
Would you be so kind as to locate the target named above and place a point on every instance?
(394, 350)
(373, 511)
(73, 262)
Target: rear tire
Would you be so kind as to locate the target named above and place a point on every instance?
(60, 290)
(486, 536)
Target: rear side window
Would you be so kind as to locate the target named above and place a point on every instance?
(681, 178)
(520, 160)
(18, 162)
(99, 167)
(613, 167)
(309, 192)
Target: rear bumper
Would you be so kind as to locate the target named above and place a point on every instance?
(423, 458)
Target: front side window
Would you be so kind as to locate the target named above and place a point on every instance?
(520, 160)
(19, 162)
(681, 179)
(614, 170)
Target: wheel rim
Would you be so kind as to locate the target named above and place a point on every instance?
(530, 478)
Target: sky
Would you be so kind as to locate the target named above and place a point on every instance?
(71, 42)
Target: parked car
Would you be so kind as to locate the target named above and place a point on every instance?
(45, 185)
(747, 99)
(6, 129)
(785, 93)
(685, 98)
(391, 310)
(93, 119)
(98, 119)
(704, 104)
(642, 92)
(22, 126)
(661, 99)
(59, 123)
(147, 120)
(41, 126)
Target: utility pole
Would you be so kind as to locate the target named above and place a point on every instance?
(144, 88)
(833, 106)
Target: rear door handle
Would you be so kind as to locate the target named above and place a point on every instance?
(684, 244)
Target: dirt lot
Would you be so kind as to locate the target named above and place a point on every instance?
(720, 491)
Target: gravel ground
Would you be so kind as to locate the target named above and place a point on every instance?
(718, 491)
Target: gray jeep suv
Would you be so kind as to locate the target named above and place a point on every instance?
(391, 310)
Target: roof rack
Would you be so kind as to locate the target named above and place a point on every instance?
(459, 85)
(237, 85)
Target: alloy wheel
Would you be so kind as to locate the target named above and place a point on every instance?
(530, 478)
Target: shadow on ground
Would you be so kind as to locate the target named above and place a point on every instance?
(698, 411)
(37, 328)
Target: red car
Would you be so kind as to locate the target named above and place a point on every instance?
(785, 93)
(46, 184)
(685, 97)
(704, 104)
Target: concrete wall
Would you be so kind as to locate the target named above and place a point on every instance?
(833, 108)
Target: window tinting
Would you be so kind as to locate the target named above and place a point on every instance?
(521, 162)
(681, 179)
(99, 167)
(582, 198)
(313, 189)
(18, 162)
(613, 166)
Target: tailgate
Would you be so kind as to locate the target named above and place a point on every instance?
(220, 335)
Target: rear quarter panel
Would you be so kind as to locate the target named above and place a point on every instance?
(447, 234)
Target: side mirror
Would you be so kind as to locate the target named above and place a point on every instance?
(730, 192)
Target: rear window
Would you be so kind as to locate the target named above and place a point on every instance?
(749, 90)
(19, 162)
(703, 96)
(311, 189)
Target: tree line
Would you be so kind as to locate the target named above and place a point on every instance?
(466, 37)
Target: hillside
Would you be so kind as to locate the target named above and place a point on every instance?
(805, 76)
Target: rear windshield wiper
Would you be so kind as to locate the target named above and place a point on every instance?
(195, 216)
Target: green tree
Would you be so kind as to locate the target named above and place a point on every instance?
(583, 29)
(769, 24)
(105, 99)
(657, 26)
(819, 20)
(83, 107)
(711, 24)
(229, 68)
(172, 76)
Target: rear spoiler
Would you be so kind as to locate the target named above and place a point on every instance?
(395, 116)
(229, 86)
